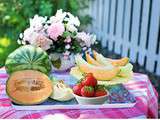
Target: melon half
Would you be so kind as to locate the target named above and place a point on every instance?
(28, 87)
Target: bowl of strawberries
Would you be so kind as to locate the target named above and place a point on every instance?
(87, 91)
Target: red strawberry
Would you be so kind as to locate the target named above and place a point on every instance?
(77, 89)
(89, 80)
(87, 91)
(100, 92)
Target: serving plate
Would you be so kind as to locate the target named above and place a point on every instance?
(119, 97)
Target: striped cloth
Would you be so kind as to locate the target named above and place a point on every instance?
(146, 104)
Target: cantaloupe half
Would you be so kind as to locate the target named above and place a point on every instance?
(91, 60)
(116, 62)
(99, 72)
(28, 87)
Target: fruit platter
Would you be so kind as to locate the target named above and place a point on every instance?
(94, 82)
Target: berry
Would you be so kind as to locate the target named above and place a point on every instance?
(87, 91)
(89, 80)
(77, 89)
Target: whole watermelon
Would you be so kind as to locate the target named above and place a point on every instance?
(28, 58)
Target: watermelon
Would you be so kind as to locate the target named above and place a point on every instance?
(28, 58)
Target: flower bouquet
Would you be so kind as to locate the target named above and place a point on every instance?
(58, 35)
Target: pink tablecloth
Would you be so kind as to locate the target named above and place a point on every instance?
(140, 86)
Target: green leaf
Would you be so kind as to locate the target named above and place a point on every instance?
(66, 34)
(56, 63)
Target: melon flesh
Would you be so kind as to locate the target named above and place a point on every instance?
(99, 72)
(28, 87)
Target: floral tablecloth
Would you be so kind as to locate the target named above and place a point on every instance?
(140, 86)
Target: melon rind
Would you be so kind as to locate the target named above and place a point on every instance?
(28, 58)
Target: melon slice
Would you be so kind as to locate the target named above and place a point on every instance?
(99, 72)
(119, 62)
(101, 59)
(61, 91)
(106, 61)
(91, 60)
(28, 87)
(125, 70)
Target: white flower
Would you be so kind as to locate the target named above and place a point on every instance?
(20, 35)
(37, 22)
(19, 41)
(23, 42)
(84, 48)
(59, 17)
(67, 46)
(71, 27)
(30, 35)
(86, 38)
(72, 20)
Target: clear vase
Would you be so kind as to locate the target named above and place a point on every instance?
(63, 63)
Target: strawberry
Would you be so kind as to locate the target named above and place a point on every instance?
(100, 92)
(89, 80)
(87, 91)
(77, 89)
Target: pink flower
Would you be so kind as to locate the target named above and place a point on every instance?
(55, 30)
(43, 42)
(67, 40)
(66, 55)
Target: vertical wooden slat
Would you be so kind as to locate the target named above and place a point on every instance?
(99, 19)
(153, 35)
(105, 22)
(135, 29)
(158, 54)
(126, 27)
(158, 61)
(119, 24)
(112, 15)
(144, 28)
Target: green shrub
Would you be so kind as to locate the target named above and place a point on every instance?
(15, 14)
